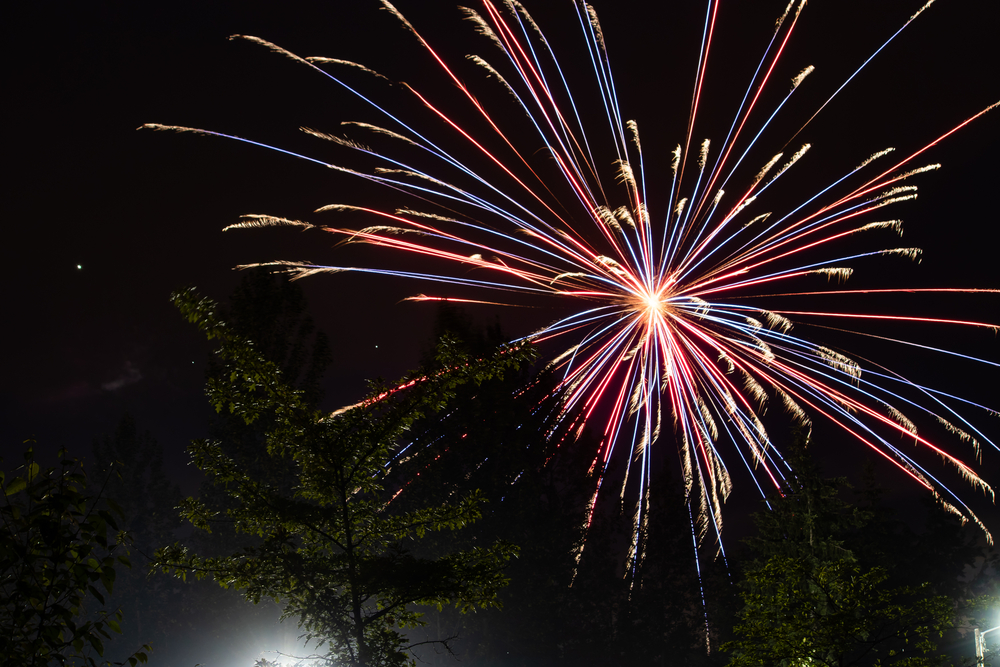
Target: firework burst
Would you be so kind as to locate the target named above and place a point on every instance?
(665, 338)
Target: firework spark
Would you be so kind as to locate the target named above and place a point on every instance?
(662, 334)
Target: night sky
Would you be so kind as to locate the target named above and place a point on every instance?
(104, 221)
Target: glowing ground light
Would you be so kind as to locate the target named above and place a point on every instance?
(676, 328)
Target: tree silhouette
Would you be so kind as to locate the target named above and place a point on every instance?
(57, 545)
(808, 600)
(334, 549)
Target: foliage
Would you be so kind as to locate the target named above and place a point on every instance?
(216, 624)
(800, 611)
(189, 624)
(57, 545)
(272, 312)
(807, 600)
(336, 551)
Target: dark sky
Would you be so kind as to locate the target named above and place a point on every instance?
(103, 222)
